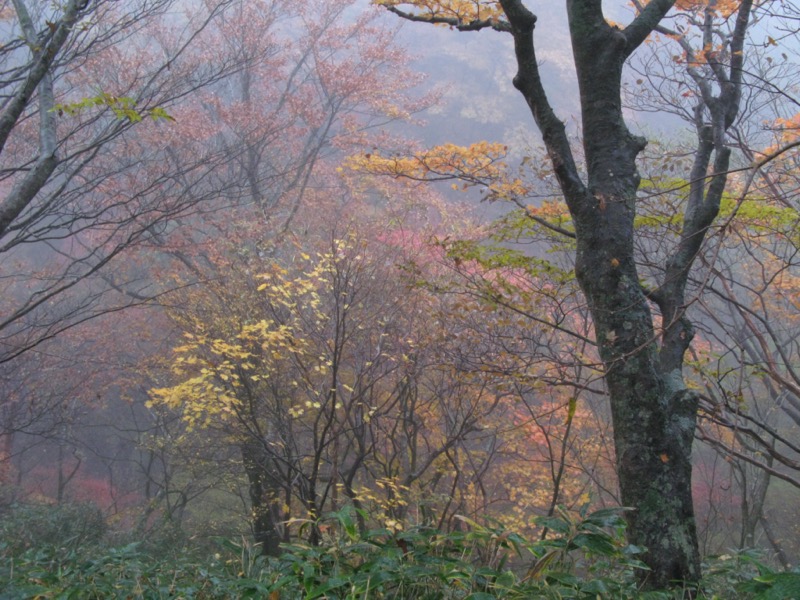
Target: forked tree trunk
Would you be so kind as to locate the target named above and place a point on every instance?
(654, 415)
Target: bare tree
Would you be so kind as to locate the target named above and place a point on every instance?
(74, 151)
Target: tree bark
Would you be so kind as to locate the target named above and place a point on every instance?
(653, 414)
(264, 495)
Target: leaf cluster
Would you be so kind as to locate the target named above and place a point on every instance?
(124, 108)
(453, 13)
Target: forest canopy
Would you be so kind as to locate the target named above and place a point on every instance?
(257, 287)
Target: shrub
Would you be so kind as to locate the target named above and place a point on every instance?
(65, 526)
(583, 557)
(480, 563)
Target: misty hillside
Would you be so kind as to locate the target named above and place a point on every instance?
(425, 299)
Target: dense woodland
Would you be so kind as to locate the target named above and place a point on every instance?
(251, 322)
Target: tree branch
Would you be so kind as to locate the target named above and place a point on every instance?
(645, 23)
(455, 23)
(528, 82)
(39, 75)
(42, 61)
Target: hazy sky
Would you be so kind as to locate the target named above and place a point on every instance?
(474, 71)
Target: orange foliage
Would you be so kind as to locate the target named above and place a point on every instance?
(464, 11)
(788, 130)
(481, 163)
(724, 8)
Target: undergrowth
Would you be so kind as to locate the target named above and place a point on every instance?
(584, 556)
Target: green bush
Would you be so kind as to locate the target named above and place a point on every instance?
(480, 563)
(584, 557)
(745, 575)
(67, 526)
(128, 573)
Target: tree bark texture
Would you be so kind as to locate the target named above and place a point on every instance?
(265, 496)
(653, 414)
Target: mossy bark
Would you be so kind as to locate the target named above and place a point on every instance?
(653, 414)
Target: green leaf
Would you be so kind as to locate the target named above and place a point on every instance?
(778, 586)
(596, 586)
(596, 543)
(606, 517)
(556, 524)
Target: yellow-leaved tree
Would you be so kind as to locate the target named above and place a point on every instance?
(329, 373)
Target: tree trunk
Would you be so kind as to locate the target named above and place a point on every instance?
(653, 414)
(264, 495)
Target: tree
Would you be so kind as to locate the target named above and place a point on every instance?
(653, 411)
(84, 85)
(749, 370)
(260, 94)
(321, 373)
(742, 288)
(87, 174)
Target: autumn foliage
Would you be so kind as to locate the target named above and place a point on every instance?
(245, 302)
